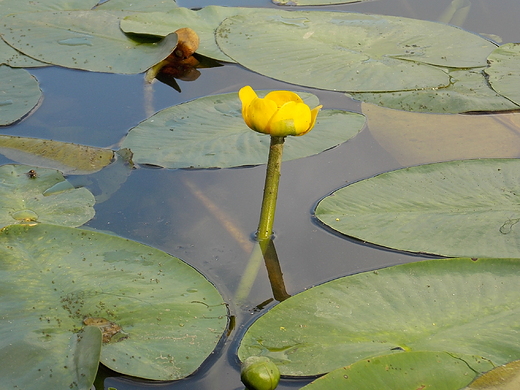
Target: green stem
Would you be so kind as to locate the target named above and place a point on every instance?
(272, 178)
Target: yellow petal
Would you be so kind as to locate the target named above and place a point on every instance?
(282, 97)
(314, 115)
(291, 119)
(259, 113)
(246, 95)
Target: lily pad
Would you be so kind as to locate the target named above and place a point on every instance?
(13, 57)
(465, 306)
(210, 132)
(139, 6)
(160, 318)
(456, 208)
(350, 51)
(30, 195)
(67, 157)
(19, 94)
(88, 40)
(506, 377)
(503, 72)
(204, 22)
(405, 371)
(468, 91)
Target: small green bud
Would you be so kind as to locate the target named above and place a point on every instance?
(259, 373)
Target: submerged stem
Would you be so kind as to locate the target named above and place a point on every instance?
(272, 178)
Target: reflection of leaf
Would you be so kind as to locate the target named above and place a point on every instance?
(469, 91)
(89, 40)
(416, 138)
(343, 51)
(463, 306)
(53, 277)
(405, 371)
(66, 157)
(503, 71)
(32, 195)
(455, 208)
(19, 94)
(506, 377)
(210, 132)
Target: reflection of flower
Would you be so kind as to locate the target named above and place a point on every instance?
(279, 113)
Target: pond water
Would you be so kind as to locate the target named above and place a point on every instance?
(188, 213)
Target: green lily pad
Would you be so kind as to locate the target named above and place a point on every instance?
(506, 377)
(503, 72)
(405, 371)
(140, 6)
(469, 91)
(350, 51)
(159, 317)
(19, 94)
(210, 132)
(204, 22)
(464, 306)
(30, 195)
(457, 208)
(66, 157)
(13, 57)
(88, 40)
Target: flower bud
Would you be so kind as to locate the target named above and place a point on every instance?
(259, 373)
(279, 113)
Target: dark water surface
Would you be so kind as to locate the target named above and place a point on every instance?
(165, 209)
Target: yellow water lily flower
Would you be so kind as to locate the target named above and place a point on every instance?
(279, 113)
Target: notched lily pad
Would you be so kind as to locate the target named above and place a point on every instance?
(158, 317)
(468, 91)
(503, 71)
(353, 52)
(19, 94)
(210, 132)
(30, 195)
(88, 40)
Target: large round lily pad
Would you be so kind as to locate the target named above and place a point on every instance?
(30, 195)
(210, 132)
(88, 40)
(457, 208)
(503, 72)
(463, 306)
(160, 318)
(13, 57)
(350, 51)
(19, 94)
(405, 371)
